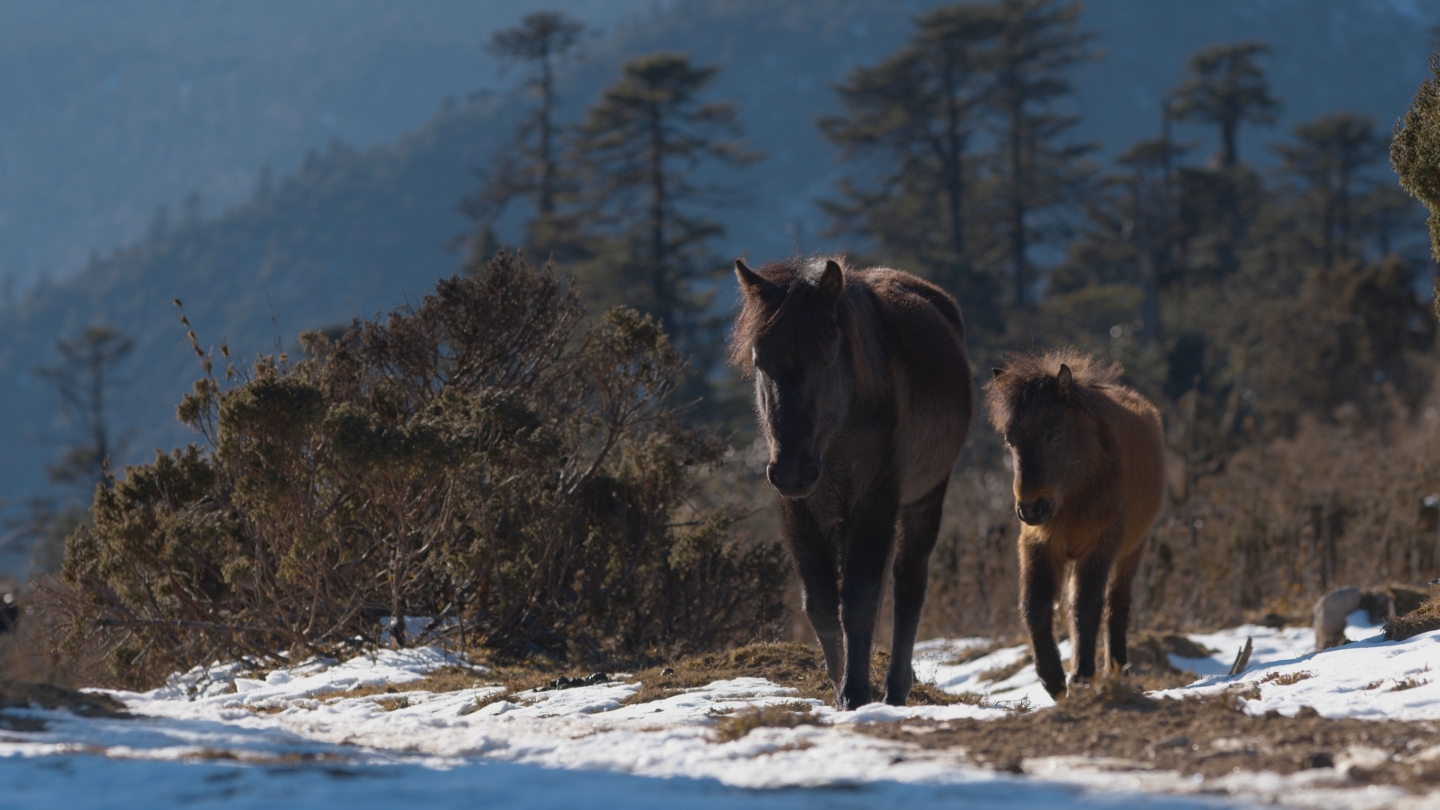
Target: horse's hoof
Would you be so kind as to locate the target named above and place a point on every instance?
(896, 700)
(852, 699)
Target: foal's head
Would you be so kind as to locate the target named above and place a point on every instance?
(1040, 405)
(790, 334)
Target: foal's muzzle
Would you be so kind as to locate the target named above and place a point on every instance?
(793, 480)
(1035, 512)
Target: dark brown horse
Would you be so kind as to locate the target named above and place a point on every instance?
(1089, 481)
(863, 391)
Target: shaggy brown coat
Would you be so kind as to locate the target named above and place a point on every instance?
(863, 392)
(1089, 482)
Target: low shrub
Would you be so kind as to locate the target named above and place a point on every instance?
(480, 457)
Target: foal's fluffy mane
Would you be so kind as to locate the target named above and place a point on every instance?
(798, 278)
(1027, 373)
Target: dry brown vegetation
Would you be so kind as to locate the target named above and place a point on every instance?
(732, 727)
(1208, 736)
(1421, 620)
(481, 457)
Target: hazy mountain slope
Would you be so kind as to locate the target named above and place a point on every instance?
(109, 108)
(346, 235)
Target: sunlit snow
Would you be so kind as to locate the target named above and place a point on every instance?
(229, 736)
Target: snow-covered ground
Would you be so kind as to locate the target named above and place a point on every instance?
(294, 737)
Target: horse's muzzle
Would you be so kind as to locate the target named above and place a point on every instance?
(1035, 512)
(793, 480)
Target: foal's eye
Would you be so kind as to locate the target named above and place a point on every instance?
(1053, 437)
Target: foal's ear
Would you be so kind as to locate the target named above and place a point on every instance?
(1063, 381)
(750, 281)
(832, 284)
(997, 373)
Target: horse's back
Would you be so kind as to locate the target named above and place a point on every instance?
(931, 373)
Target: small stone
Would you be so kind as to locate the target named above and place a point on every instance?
(1319, 759)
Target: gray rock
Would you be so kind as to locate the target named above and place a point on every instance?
(1330, 613)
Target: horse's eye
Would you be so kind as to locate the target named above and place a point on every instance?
(1053, 437)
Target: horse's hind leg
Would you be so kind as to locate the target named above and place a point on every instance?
(1117, 604)
(870, 532)
(1091, 575)
(819, 585)
(1039, 576)
(919, 525)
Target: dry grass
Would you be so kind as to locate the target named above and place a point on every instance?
(33, 651)
(1287, 679)
(786, 663)
(1421, 620)
(1213, 737)
(1408, 683)
(785, 715)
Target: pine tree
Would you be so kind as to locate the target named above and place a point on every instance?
(1329, 156)
(85, 381)
(1226, 87)
(1151, 210)
(531, 167)
(1037, 46)
(639, 149)
(917, 110)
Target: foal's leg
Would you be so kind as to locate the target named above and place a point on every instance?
(919, 525)
(1117, 603)
(869, 534)
(819, 585)
(1091, 575)
(1039, 575)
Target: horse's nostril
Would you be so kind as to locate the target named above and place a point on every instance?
(1035, 512)
(811, 472)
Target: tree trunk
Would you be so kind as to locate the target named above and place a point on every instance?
(658, 277)
(1017, 203)
(547, 160)
(955, 170)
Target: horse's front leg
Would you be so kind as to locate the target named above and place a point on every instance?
(919, 526)
(1091, 576)
(1039, 576)
(869, 533)
(819, 588)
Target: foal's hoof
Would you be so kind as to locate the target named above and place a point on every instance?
(1079, 686)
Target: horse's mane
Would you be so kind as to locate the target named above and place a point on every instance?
(800, 305)
(1028, 373)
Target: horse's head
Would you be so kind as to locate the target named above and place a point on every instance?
(1048, 433)
(789, 327)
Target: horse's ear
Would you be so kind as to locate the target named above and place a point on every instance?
(750, 281)
(832, 284)
(1063, 381)
(997, 373)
